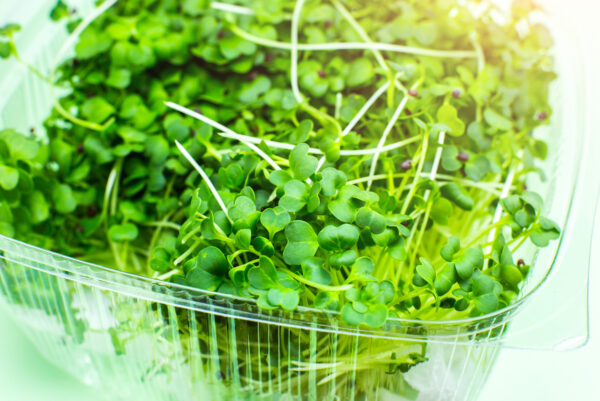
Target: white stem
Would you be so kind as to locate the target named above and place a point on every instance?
(386, 131)
(315, 151)
(505, 191)
(338, 105)
(436, 161)
(294, 50)
(438, 155)
(221, 127)
(232, 8)
(419, 51)
(361, 32)
(358, 117)
(205, 177)
(488, 186)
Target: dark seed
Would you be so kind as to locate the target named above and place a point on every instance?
(463, 157)
(322, 73)
(252, 76)
(406, 165)
(542, 116)
(328, 23)
(80, 148)
(79, 229)
(193, 133)
(456, 93)
(408, 112)
(269, 58)
(413, 92)
(32, 130)
(73, 11)
(520, 262)
(220, 35)
(89, 95)
(92, 211)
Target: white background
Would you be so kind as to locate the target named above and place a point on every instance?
(518, 375)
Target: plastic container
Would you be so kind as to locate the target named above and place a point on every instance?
(134, 338)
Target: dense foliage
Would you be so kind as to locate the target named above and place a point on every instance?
(363, 158)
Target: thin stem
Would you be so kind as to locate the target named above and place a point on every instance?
(503, 194)
(206, 179)
(417, 175)
(383, 138)
(221, 127)
(232, 8)
(294, 51)
(333, 46)
(316, 285)
(361, 32)
(359, 115)
(287, 146)
(162, 224)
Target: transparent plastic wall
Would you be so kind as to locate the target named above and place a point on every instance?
(136, 339)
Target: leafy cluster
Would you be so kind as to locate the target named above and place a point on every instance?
(309, 190)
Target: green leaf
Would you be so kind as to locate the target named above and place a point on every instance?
(477, 168)
(426, 271)
(360, 72)
(242, 208)
(496, 120)
(243, 238)
(264, 276)
(63, 198)
(351, 316)
(448, 116)
(449, 159)
(250, 91)
(9, 29)
(301, 163)
(296, 196)
(302, 242)
(92, 43)
(119, 78)
(362, 270)
(441, 210)
(312, 269)
(6, 49)
(301, 132)
(367, 218)
(332, 181)
(450, 249)
(279, 178)
(38, 206)
(453, 192)
(194, 8)
(333, 238)
(9, 177)
(275, 220)
(376, 316)
(97, 109)
(123, 232)
(208, 269)
(290, 300)
(445, 279)
(233, 46)
(346, 258)
(157, 149)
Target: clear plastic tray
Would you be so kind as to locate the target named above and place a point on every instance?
(123, 334)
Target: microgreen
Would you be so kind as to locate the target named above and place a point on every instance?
(336, 156)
